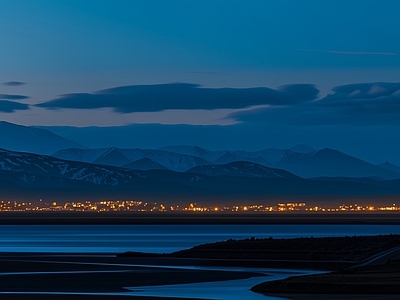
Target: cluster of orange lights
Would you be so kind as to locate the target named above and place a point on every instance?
(141, 206)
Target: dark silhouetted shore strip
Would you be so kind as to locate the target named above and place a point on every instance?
(362, 265)
(368, 280)
(328, 253)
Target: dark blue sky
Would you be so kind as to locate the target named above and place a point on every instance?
(78, 63)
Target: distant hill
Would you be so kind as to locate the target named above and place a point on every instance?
(304, 162)
(331, 163)
(144, 164)
(302, 148)
(111, 157)
(123, 157)
(30, 165)
(30, 139)
(388, 166)
(241, 169)
(265, 157)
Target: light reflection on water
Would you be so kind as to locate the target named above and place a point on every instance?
(223, 290)
(233, 289)
(158, 238)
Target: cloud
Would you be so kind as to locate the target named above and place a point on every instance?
(11, 106)
(368, 103)
(183, 96)
(13, 83)
(204, 72)
(302, 92)
(13, 97)
(362, 94)
(351, 52)
(355, 104)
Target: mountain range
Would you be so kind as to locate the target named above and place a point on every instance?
(35, 164)
(301, 160)
(316, 163)
(32, 177)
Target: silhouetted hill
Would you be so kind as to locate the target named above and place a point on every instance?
(330, 163)
(302, 148)
(264, 157)
(30, 139)
(301, 160)
(241, 169)
(350, 249)
(388, 166)
(121, 157)
(144, 164)
(112, 157)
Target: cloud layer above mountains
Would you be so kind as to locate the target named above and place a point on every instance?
(182, 96)
(357, 104)
(13, 97)
(294, 104)
(11, 106)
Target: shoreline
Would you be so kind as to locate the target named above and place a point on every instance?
(194, 218)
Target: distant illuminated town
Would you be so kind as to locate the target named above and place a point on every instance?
(140, 206)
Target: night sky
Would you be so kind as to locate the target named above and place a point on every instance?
(218, 74)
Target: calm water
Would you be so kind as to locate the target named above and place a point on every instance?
(158, 238)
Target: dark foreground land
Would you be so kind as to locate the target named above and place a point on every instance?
(368, 280)
(326, 253)
(361, 265)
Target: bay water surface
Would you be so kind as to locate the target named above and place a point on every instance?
(158, 238)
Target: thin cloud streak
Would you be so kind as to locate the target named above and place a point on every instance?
(13, 97)
(351, 52)
(14, 83)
